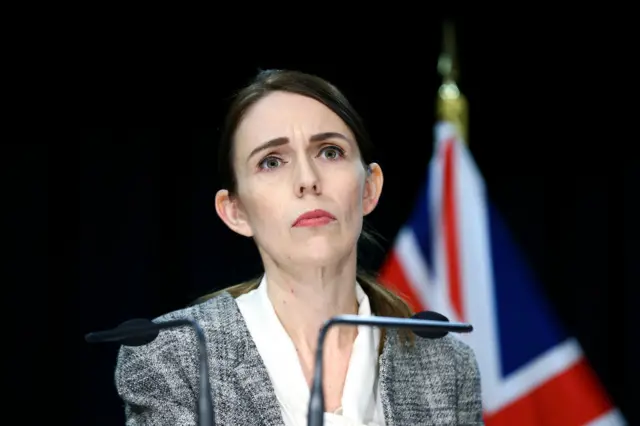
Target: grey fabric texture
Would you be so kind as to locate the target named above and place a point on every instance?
(434, 382)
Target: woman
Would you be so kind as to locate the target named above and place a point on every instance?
(298, 180)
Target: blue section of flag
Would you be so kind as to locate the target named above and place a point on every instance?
(420, 224)
(527, 326)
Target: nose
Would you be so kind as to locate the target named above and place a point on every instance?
(308, 180)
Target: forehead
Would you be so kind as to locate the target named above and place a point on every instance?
(282, 114)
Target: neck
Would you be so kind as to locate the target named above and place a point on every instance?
(305, 298)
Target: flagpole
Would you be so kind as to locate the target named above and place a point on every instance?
(451, 104)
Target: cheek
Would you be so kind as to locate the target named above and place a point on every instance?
(263, 209)
(356, 196)
(352, 192)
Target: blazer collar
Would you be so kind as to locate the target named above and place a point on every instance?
(253, 378)
(384, 381)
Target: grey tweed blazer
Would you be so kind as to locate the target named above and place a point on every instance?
(435, 382)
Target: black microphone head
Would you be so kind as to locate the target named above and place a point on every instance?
(430, 316)
(140, 339)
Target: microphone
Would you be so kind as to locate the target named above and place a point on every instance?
(138, 332)
(431, 333)
(427, 324)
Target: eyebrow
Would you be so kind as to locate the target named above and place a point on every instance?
(320, 137)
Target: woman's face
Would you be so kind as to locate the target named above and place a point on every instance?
(294, 156)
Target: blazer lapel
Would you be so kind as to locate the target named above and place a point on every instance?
(250, 385)
(416, 384)
(390, 415)
(253, 379)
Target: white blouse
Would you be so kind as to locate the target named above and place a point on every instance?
(361, 404)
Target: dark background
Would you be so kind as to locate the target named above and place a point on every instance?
(135, 231)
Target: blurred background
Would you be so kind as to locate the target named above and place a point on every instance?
(135, 231)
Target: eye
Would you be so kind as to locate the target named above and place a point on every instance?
(269, 163)
(332, 152)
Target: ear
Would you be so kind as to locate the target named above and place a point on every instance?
(230, 210)
(372, 188)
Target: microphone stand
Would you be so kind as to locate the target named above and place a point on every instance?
(315, 414)
(147, 331)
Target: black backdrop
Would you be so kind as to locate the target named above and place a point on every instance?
(135, 230)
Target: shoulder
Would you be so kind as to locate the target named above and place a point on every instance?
(445, 368)
(446, 355)
(446, 349)
(448, 346)
(217, 317)
(453, 366)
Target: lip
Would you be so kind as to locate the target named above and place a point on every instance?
(316, 217)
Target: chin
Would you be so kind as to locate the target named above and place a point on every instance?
(320, 253)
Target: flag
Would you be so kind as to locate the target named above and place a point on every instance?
(455, 256)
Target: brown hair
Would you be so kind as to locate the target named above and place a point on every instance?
(384, 302)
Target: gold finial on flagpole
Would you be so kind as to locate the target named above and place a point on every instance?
(451, 105)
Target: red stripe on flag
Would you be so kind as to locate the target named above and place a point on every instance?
(392, 276)
(450, 226)
(572, 398)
